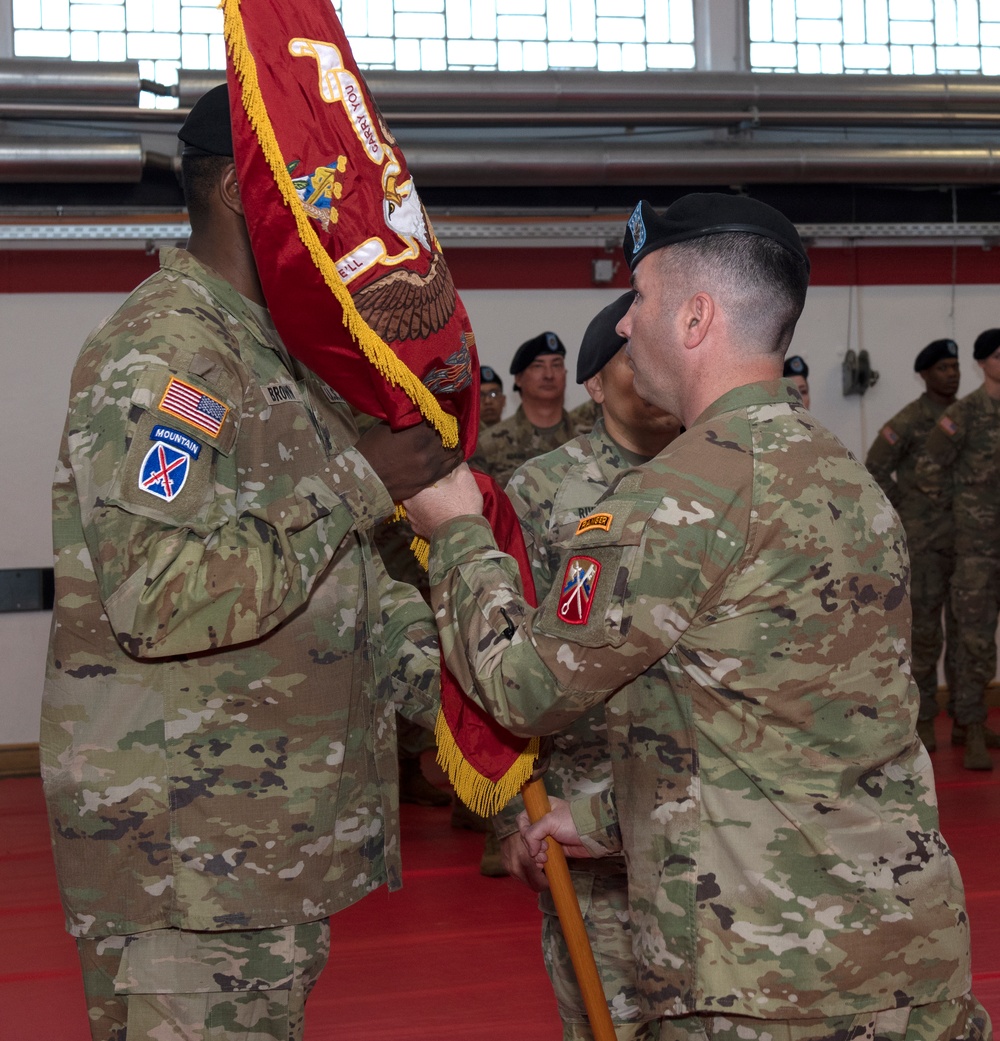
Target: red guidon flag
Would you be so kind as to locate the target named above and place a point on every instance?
(358, 287)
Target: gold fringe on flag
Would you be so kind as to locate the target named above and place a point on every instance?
(375, 349)
(481, 794)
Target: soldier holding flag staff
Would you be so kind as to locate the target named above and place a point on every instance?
(787, 876)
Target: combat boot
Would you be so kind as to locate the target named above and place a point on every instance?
(491, 863)
(977, 755)
(958, 736)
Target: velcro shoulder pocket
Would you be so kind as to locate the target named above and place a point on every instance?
(591, 606)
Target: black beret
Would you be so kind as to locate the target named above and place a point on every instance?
(600, 342)
(543, 343)
(208, 129)
(935, 352)
(796, 366)
(986, 343)
(487, 374)
(706, 213)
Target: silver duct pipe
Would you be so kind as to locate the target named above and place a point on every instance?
(192, 83)
(69, 83)
(627, 161)
(70, 160)
(87, 90)
(413, 97)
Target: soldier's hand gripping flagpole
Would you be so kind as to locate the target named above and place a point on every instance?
(536, 802)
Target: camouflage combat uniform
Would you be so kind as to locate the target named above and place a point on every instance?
(748, 587)
(961, 466)
(217, 738)
(930, 540)
(551, 494)
(584, 416)
(506, 445)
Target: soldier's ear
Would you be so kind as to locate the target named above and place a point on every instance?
(229, 190)
(595, 388)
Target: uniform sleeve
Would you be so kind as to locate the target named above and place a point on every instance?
(627, 594)
(596, 820)
(936, 465)
(884, 456)
(412, 649)
(238, 545)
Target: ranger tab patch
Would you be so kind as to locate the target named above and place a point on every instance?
(595, 520)
(578, 588)
(194, 406)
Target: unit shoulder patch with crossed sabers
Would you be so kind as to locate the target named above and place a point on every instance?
(165, 467)
(578, 588)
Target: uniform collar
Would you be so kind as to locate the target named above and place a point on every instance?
(769, 392)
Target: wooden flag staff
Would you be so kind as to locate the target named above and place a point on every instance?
(536, 802)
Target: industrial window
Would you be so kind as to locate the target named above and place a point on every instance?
(901, 37)
(518, 35)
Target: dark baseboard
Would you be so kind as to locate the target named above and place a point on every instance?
(19, 760)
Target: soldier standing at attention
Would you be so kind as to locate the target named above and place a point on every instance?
(930, 537)
(551, 495)
(541, 422)
(741, 601)
(217, 742)
(491, 398)
(960, 467)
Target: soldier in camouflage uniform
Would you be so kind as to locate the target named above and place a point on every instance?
(541, 423)
(930, 537)
(742, 600)
(551, 494)
(960, 467)
(491, 398)
(227, 652)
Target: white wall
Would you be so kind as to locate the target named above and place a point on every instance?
(43, 333)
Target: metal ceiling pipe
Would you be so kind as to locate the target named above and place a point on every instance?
(70, 160)
(408, 95)
(43, 80)
(637, 162)
(192, 83)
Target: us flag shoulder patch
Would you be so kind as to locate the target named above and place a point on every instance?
(890, 435)
(947, 424)
(578, 589)
(194, 406)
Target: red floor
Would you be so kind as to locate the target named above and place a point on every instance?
(451, 957)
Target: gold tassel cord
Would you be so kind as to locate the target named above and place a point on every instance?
(375, 349)
(479, 793)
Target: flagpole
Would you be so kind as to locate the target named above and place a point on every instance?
(536, 802)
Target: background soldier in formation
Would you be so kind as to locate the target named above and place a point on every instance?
(960, 468)
(745, 594)
(541, 421)
(930, 534)
(796, 369)
(217, 742)
(491, 398)
(551, 495)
